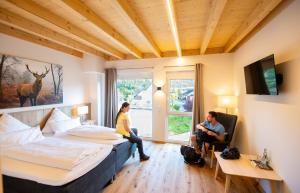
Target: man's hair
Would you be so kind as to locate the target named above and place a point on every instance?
(213, 114)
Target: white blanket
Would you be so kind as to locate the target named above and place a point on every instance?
(55, 152)
(95, 132)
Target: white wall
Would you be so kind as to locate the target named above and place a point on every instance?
(73, 82)
(93, 73)
(218, 80)
(273, 122)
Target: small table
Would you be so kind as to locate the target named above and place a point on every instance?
(242, 167)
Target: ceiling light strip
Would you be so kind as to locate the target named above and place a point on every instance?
(173, 25)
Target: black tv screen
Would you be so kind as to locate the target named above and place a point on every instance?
(260, 77)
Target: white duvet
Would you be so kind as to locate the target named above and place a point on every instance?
(55, 152)
(95, 132)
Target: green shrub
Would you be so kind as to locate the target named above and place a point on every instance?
(179, 124)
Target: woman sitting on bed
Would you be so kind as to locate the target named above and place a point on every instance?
(123, 127)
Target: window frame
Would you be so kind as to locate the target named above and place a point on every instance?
(185, 75)
(136, 75)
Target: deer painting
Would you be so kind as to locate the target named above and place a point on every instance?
(31, 91)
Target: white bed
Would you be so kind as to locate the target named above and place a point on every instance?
(49, 175)
(84, 139)
(23, 159)
(55, 152)
(34, 164)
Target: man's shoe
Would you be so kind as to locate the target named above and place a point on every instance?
(144, 158)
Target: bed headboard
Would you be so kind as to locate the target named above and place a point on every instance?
(40, 116)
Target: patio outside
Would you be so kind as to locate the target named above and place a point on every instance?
(138, 92)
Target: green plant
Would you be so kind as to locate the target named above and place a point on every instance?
(175, 107)
(179, 124)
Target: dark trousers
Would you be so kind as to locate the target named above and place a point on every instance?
(202, 137)
(135, 139)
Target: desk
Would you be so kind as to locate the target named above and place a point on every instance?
(242, 167)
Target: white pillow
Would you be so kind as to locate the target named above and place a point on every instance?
(21, 137)
(8, 124)
(56, 115)
(63, 126)
(95, 132)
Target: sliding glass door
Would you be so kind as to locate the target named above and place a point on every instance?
(180, 105)
(138, 92)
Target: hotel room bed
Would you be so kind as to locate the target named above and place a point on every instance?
(123, 148)
(30, 169)
(91, 182)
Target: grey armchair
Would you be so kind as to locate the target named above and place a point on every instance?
(229, 123)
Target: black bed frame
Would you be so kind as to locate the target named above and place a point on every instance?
(92, 182)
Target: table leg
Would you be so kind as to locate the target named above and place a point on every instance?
(217, 170)
(274, 187)
(227, 183)
(212, 156)
(1, 183)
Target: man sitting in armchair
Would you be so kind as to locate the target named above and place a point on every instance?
(208, 131)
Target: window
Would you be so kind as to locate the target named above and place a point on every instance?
(181, 95)
(180, 105)
(138, 92)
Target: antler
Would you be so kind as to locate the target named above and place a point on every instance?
(47, 70)
(34, 74)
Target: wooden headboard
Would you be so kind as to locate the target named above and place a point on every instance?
(40, 116)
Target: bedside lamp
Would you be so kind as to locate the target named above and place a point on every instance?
(227, 102)
(82, 110)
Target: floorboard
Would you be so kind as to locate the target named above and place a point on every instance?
(166, 172)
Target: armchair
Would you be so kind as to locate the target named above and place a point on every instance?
(229, 123)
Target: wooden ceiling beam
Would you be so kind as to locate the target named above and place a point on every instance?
(188, 52)
(11, 31)
(89, 14)
(262, 10)
(173, 25)
(18, 21)
(35, 9)
(216, 11)
(124, 9)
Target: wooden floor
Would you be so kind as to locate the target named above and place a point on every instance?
(166, 172)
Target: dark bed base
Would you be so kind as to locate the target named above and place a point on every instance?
(92, 182)
(123, 153)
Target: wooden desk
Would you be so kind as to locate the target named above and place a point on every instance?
(243, 167)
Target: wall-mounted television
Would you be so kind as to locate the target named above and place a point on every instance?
(260, 77)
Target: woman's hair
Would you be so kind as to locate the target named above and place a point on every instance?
(124, 105)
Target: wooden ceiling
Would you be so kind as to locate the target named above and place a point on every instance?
(127, 29)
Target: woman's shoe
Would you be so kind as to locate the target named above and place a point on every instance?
(144, 158)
